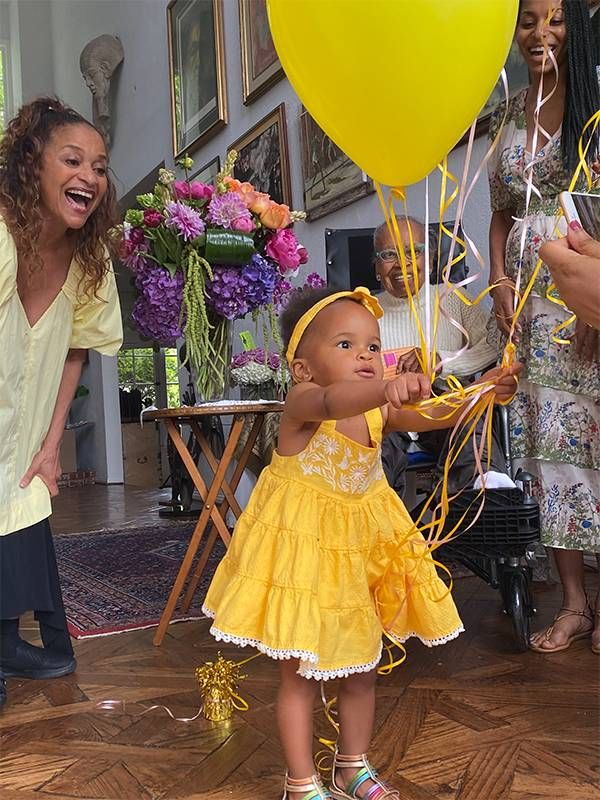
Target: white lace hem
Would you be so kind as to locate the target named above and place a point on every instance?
(278, 655)
(306, 671)
(306, 658)
(431, 642)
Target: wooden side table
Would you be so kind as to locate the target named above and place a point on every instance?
(212, 517)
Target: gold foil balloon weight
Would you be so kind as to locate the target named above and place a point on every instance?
(218, 683)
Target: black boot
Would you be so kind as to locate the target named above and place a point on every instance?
(19, 659)
(37, 662)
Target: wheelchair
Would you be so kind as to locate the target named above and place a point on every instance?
(499, 546)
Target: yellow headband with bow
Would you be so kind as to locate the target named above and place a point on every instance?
(360, 294)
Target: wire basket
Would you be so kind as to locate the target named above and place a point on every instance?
(509, 519)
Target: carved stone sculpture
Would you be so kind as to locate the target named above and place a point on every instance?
(98, 61)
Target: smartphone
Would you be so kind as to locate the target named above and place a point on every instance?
(583, 208)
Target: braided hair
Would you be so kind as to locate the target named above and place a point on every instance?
(582, 98)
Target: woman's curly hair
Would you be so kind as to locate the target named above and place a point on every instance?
(21, 150)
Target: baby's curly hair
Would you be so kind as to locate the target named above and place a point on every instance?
(21, 150)
(300, 302)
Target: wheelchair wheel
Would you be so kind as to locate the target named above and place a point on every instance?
(515, 594)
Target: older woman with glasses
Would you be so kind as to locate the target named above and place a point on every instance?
(399, 330)
(398, 326)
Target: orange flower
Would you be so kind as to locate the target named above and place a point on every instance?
(276, 216)
(245, 190)
(260, 203)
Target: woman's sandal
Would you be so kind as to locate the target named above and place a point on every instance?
(313, 787)
(563, 613)
(379, 791)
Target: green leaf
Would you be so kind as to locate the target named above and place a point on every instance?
(228, 247)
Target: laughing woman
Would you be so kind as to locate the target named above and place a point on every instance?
(57, 299)
(556, 412)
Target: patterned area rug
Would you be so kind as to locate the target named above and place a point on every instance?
(115, 581)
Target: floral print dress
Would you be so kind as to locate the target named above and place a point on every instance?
(555, 416)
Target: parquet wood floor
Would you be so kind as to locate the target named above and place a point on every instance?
(472, 720)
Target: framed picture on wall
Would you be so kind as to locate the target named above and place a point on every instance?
(263, 157)
(197, 72)
(208, 173)
(330, 179)
(260, 66)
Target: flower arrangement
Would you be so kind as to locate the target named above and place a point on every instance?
(260, 372)
(203, 256)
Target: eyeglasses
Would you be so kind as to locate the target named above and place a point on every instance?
(389, 256)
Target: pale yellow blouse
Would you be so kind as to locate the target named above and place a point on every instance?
(31, 366)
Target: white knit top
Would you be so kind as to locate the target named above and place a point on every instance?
(398, 329)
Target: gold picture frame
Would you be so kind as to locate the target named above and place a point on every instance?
(263, 157)
(261, 67)
(197, 72)
(330, 180)
(208, 173)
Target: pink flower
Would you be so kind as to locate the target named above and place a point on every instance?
(192, 191)
(243, 224)
(283, 248)
(152, 219)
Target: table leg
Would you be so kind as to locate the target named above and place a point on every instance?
(242, 461)
(236, 430)
(213, 464)
(209, 511)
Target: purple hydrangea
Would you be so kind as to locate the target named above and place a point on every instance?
(227, 209)
(156, 311)
(235, 291)
(281, 294)
(257, 356)
(184, 220)
(315, 281)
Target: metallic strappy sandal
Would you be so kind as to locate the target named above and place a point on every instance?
(379, 791)
(312, 786)
(563, 613)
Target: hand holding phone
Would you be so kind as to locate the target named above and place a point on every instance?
(584, 209)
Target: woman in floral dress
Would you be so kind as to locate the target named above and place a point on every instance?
(555, 417)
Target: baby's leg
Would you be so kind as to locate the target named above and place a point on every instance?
(356, 708)
(295, 705)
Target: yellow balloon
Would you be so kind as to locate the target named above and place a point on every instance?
(394, 83)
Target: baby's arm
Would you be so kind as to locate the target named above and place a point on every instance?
(308, 402)
(398, 418)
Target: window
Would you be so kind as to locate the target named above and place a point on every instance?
(154, 372)
(172, 377)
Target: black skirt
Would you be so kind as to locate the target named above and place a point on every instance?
(29, 582)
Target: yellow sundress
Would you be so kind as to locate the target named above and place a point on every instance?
(325, 558)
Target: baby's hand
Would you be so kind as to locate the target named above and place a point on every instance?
(506, 380)
(407, 388)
